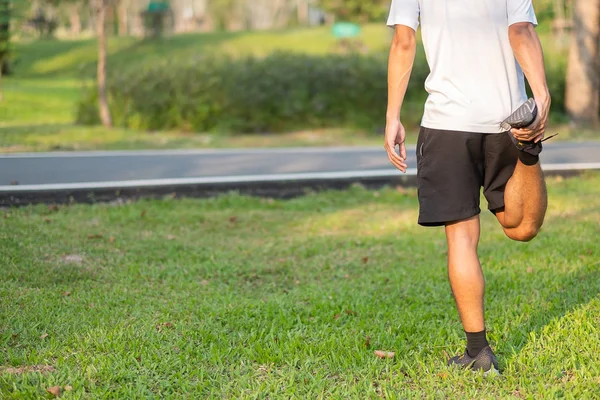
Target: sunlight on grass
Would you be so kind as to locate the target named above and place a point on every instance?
(238, 297)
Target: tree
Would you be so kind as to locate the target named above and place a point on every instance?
(355, 10)
(583, 72)
(100, 6)
(5, 13)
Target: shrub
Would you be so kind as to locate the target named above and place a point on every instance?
(280, 92)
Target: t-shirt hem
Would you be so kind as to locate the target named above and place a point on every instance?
(472, 128)
(393, 21)
(523, 18)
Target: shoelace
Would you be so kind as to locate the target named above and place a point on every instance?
(549, 137)
(543, 140)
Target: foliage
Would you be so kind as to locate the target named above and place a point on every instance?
(280, 92)
(222, 11)
(245, 298)
(356, 10)
(5, 22)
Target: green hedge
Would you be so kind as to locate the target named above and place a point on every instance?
(281, 92)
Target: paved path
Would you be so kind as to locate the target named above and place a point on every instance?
(95, 167)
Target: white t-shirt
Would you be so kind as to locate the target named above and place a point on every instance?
(475, 80)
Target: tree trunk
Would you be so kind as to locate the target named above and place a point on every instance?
(302, 10)
(122, 12)
(102, 99)
(75, 19)
(583, 72)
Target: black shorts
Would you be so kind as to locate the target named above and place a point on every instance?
(452, 168)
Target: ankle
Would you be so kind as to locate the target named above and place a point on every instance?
(476, 341)
(528, 159)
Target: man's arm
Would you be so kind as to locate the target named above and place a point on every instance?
(400, 63)
(528, 52)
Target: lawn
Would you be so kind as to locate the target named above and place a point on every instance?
(40, 99)
(237, 297)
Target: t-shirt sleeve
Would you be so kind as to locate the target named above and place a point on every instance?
(404, 12)
(521, 11)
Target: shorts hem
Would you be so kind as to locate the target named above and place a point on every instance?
(494, 209)
(429, 220)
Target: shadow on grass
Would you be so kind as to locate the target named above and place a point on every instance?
(34, 129)
(550, 277)
(78, 58)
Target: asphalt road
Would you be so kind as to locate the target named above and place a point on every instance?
(89, 167)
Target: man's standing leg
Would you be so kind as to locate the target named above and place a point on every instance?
(466, 280)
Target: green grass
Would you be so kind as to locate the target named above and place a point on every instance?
(37, 116)
(38, 111)
(76, 58)
(238, 297)
(39, 107)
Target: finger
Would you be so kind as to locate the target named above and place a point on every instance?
(538, 138)
(403, 151)
(391, 150)
(402, 167)
(521, 132)
(397, 161)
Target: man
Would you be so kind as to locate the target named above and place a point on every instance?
(477, 51)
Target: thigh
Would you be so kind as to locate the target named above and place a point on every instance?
(500, 161)
(449, 175)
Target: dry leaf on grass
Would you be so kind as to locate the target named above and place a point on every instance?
(111, 239)
(66, 294)
(28, 368)
(171, 237)
(384, 354)
(53, 207)
(143, 214)
(529, 269)
(95, 236)
(232, 219)
(365, 260)
(167, 325)
(54, 390)
(68, 388)
(44, 336)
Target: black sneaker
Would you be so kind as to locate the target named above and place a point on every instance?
(522, 118)
(485, 361)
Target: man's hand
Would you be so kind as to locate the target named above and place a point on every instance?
(528, 51)
(537, 129)
(396, 135)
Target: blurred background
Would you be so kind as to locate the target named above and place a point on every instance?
(134, 74)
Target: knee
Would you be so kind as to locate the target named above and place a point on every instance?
(522, 233)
